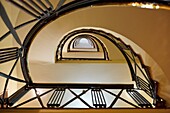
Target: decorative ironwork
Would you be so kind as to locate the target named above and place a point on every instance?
(17, 95)
(98, 98)
(59, 52)
(139, 99)
(8, 54)
(44, 15)
(56, 98)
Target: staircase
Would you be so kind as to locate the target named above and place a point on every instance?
(84, 110)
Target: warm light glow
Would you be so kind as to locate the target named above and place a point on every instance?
(134, 4)
(157, 7)
(146, 5)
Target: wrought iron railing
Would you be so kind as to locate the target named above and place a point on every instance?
(44, 12)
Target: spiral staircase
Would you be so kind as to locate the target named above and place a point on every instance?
(44, 12)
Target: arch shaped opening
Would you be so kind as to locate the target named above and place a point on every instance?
(68, 48)
(83, 42)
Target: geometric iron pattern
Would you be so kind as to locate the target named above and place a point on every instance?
(43, 13)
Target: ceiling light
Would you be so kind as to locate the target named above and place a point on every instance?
(145, 5)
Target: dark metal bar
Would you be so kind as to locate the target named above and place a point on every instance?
(74, 98)
(121, 99)
(7, 80)
(98, 98)
(61, 50)
(141, 81)
(139, 99)
(64, 58)
(115, 100)
(82, 86)
(59, 97)
(30, 7)
(136, 99)
(141, 84)
(133, 56)
(60, 3)
(102, 99)
(52, 97)
(37, 6)
(95, 43)
(8, 23)
(42, 4)
(9, 54)
(74, 50)
(39, 98)
(24, 9)
(62, 96)
(49, 3)
(9, 59)
(10, 77)
(92, 95)
(80, 98)
(56, 97)
(1, 102)
(144, 100)
(33, 98)
(95, 98)
(25, 70)
(58, 52)
(147, 71)
(9, 49)
(17, 27)
(17, 95)
(138, 68)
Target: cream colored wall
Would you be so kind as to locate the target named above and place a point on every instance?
(80, 72)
